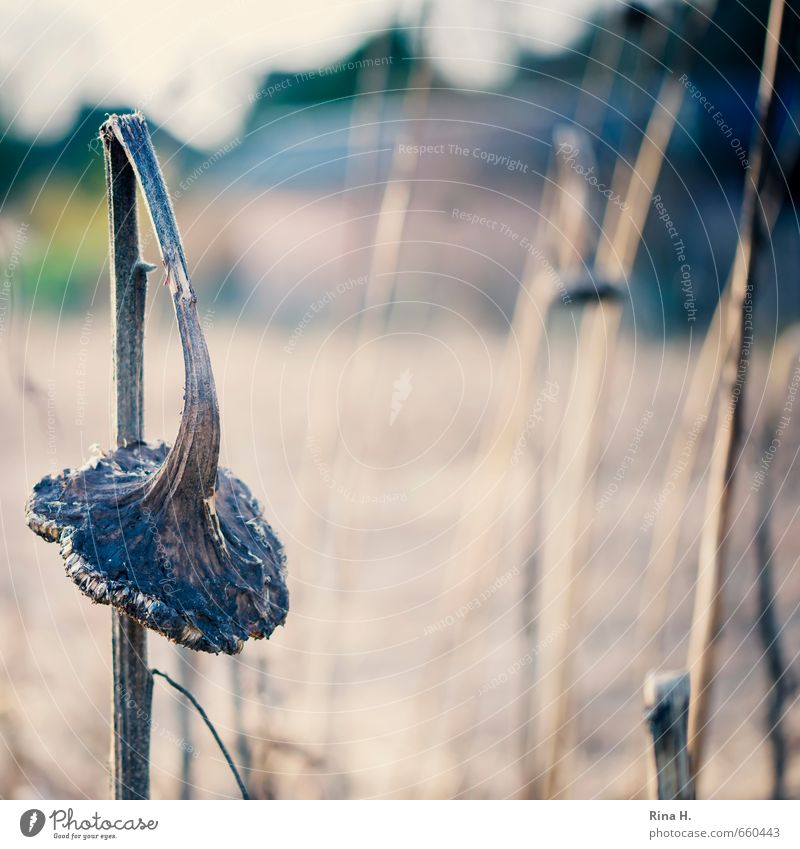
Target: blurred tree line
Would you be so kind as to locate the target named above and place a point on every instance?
(57, 185)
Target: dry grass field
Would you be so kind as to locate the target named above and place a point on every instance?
(405, 668)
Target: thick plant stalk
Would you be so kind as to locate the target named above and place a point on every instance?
(132, 685)
(706, 621)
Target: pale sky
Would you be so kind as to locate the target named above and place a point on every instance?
(191, 66)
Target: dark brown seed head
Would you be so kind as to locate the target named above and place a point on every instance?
(161, 532)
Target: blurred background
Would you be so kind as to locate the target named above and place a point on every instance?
(389, 211)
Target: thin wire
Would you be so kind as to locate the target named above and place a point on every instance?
(204, 715)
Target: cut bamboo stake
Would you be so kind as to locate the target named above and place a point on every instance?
(132, 685)
(706, 621)
(666, 701)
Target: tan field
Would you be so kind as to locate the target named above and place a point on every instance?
(409, 663)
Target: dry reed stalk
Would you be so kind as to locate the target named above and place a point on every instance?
(616, 255)
(678, 471)
(666, 701)
(598, 78)
(693, 422)
(655, 45)
(706, 621)
(662, 558)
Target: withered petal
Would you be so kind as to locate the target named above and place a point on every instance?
(204, 587)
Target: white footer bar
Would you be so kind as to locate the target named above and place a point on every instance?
(401, 825)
